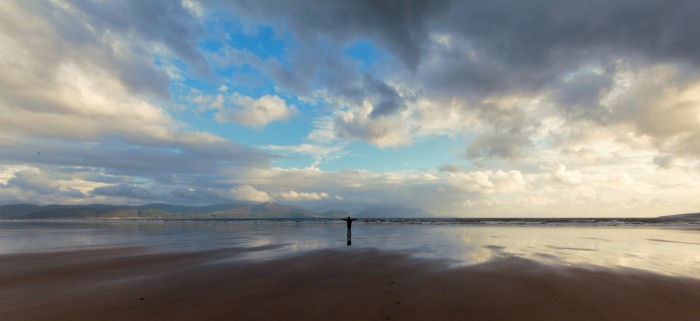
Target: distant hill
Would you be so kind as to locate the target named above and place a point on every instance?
(688, 216)
(161, 211)
(170, 208)
(394, 212)
(17, 210)
(215, 211)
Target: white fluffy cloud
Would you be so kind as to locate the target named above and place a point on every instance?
(301, 196)
(356, 123)
(250, 193)
(256, 113)
(31, 184)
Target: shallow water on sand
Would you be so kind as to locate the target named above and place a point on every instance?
(661, 250)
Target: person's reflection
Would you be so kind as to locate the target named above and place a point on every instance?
(349, 240)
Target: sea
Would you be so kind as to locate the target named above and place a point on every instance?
(665, 247)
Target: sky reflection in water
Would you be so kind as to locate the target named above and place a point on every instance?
(667, 251)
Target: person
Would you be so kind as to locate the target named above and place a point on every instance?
(349, 222)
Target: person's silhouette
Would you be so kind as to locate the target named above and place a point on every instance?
(349, 220)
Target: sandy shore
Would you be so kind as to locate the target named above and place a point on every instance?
(133, 284)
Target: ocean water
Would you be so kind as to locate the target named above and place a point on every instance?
(666, 248)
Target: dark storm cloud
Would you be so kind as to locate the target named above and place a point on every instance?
(396, 26)
(580, 95)
(504, 44)
(337, 73)
(387, 99)
(571, 51)
(480, 50)
(399, 25)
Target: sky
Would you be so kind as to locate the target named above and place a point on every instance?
(483, 108)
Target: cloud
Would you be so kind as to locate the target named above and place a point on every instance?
(256, 113)
(88, 33)
(536, 201)
(666, 161)
(562, 175)
(124, 191)
(301, 196)
(502, 145)
(201, 195)
(400, 26)
(32, 185)
(323, 131)
(572, 58)
(169, 23)
(581, 94)
(655, 106)
(85, 102)
(451, 168)
(87, 113)
(320, 153)
(191, 156)
(322, 144)
(387, 100)
(33, 180)
(250, 193)
(509, 45)
(79, 103)
(356, 123)
(488, 181)
(555, 102)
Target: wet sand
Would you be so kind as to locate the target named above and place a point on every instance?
(353, 284)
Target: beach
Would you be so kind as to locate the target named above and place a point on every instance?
(124, 284)
(358, 282)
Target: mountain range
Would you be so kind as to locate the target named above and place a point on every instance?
(216, 211)
(169, 211)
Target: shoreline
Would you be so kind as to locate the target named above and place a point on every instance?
(602, 222)
(350, 284)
